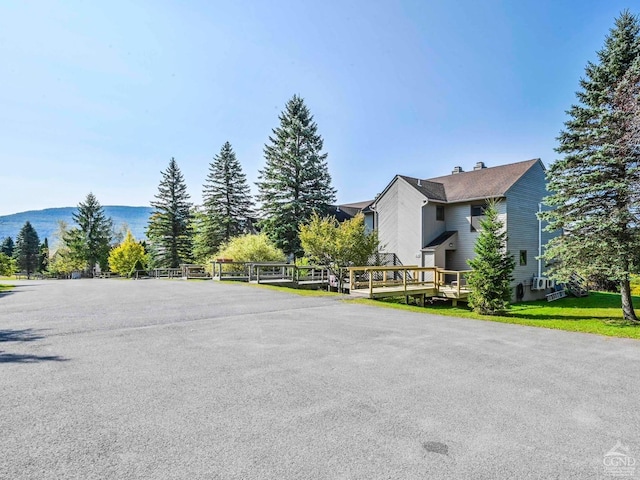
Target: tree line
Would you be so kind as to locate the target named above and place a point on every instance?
(294, 187)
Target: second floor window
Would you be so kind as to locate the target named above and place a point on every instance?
(440, 213)
(476, 211)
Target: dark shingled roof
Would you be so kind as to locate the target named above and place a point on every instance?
(484, 183)
(349, 210)
(431, 190)
(440, 239)
(354, 208)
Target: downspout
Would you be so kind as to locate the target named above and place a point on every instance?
(539, 240)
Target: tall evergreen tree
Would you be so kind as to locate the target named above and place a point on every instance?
(43, 260)
(7, 246)
(226, 204)
(491, 268)
(295, 182)
(170, 230)
(27, 249)
(89, 242)
(595, 185)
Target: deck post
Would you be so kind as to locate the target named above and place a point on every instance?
(458, 282)
(257, 273)
(350, 279)
(370, 283)
(404, 280)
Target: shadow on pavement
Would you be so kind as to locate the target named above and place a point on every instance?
(26, 358)
(25, 335)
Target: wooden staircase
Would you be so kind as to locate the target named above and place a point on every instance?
(577, 286)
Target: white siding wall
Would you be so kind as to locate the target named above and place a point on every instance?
(399, 216)
(522, 204)
(458, 217)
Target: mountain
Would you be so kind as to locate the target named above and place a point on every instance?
(46, 221)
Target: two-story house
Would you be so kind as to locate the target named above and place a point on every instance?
(435, 221)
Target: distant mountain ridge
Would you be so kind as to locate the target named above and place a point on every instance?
(45, 221)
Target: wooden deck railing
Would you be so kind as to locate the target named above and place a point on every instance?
(459, 283)
(269, 271)
(406, 278)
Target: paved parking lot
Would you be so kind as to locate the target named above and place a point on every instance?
(116, 379)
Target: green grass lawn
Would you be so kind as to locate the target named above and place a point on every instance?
(4, 288)
(598, 313)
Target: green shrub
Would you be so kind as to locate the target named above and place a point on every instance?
(251, 248)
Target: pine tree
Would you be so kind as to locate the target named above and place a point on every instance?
(490, 278)
(89, 242)
(170, 230)
(27, 249)
(43, 260)
(226, 204)
(7, 246)
(595, 185)
(295, 182)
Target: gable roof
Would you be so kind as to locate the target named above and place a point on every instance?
(491, 182)
(484, 183)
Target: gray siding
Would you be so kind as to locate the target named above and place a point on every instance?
(399, 216)
(431, 227)
(458, 217)
(406, 223)
(522, 226)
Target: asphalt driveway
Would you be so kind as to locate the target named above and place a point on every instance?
(116, 379)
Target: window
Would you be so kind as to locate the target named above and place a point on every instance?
(440, 213)
(476, 211)
(523, 257)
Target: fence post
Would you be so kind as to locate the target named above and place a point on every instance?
(370, 283)
(404, 280)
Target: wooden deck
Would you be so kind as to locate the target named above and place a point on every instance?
(408, 281)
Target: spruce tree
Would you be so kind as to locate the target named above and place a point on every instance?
(595, 185)
(170, 230)
(89, 242)
(27, 249)
(226, 204)
(43, 259)
(7, 247)
(490, 278)
(295, 182)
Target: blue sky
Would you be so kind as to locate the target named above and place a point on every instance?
(98, 96)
